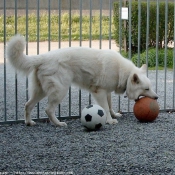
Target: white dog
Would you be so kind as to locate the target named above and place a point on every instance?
(98, 71)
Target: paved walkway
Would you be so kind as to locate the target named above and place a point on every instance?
(43, 46)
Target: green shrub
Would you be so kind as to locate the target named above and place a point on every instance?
(152, 58)
(143, 24)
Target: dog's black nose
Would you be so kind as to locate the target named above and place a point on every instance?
(156, 98)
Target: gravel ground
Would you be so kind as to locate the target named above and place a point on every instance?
(130, 147)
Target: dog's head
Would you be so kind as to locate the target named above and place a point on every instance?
(138, 84)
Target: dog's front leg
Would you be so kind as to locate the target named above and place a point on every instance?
(113, 114)
(101, 98)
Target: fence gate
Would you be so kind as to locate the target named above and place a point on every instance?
(104, 24)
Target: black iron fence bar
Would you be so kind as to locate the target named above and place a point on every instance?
(5, 70)
(174, 64)
(157, 42)
(165, 58)
(38, 44)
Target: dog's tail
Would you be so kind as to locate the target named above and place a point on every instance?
(17, 58)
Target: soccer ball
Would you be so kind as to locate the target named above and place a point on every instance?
(93, 117)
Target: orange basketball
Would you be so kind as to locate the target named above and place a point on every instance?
(146, 109)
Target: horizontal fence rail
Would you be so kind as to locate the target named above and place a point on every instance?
(90, 24)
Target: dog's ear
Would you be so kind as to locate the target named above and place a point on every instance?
(144, 67)
(135, 79)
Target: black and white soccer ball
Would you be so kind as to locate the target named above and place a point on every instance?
(93, 117)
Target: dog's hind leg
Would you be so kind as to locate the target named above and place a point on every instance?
(36, 95)
(101, 98)
(113, 114)
(54, 99)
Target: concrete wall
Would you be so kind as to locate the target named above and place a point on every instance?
(65, 4)
(54, 4)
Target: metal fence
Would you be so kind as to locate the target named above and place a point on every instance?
(14, 87)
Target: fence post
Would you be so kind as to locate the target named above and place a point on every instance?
(125, 44)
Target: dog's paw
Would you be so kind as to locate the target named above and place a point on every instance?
(30, 123)
(115, 115)
(118, 115)
(62, 124)
(112, 121)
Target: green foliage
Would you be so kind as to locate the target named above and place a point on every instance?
(162, 57)
(143, 24)
(64, 28)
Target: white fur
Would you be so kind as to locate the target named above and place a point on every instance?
(98, 71)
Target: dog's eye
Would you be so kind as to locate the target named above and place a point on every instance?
(147, 89)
